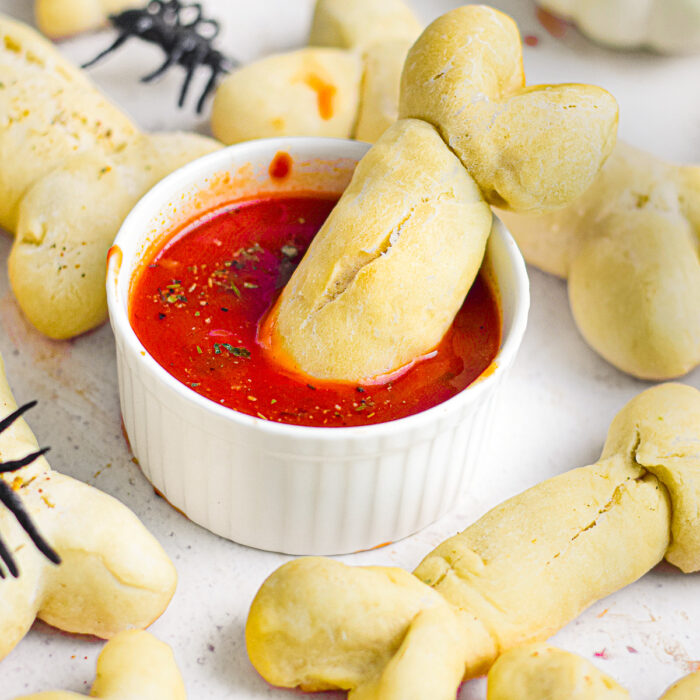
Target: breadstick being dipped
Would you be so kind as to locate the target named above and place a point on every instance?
(561, 545)
(113, 573)
(390, 268)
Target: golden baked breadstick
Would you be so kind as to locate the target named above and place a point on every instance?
(667, 26)
(687, 688)
(379, 94)
(114, 575)
(539, 672)
(629, 249)
(560, 546)
(349, 88)
(63, 18)
(528, 148)
(309, 92)
(359, 24)
(391, 267)
(133, 665)
(366, 298)
(73, 166)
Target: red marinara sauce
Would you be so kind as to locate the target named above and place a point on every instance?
(198, 303)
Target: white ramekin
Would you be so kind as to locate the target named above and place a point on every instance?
(287, 488)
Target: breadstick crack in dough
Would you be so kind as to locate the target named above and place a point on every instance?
(114, 575)
(384, 276)
(560, 545)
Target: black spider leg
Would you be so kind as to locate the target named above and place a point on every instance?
(117, 43)
(195, 58)
(10, 499)
(5, 423)
(14, 504)
(9, 561)
(223, 65)
(15, 464)
(172, 59)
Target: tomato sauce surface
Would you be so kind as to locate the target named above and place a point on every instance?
(198, 303)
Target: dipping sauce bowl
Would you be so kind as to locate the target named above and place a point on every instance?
(290, 488)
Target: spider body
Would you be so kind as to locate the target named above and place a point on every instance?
(13, 503)
(183, 33)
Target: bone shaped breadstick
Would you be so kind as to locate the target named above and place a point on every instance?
(73, 166)
(629, 249)
(114, 574)
(63, 18)
(528, 148)
(389, 269)
(133, 665)
(537, 671)
(517, 575)
(345, 83)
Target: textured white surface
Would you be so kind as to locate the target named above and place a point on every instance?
(553, 414)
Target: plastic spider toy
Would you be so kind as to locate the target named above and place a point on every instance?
(12, 502)
(184, 35)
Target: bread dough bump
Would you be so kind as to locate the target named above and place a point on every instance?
(629, 247)
(309, 92)
(379, 96)
(346, 84)
(72, 167)
(358, 24)
(687, 688)
(385, 275)
(63, 18)
(528, 148)
(515, 576)
(133, 664)
(114, 575)
(542, 672)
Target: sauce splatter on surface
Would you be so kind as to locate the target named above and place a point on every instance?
(198, 304)
(554, 25)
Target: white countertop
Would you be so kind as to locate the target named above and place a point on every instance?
(554, 412)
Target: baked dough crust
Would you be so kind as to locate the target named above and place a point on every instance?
(133, 664)
(309, 92)
(629, 247)
(540, 671)
(515, 576)
(383, 278)
(114, 575)
(64, 18)
(71, 167)
(358, 24)
(528, 148)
